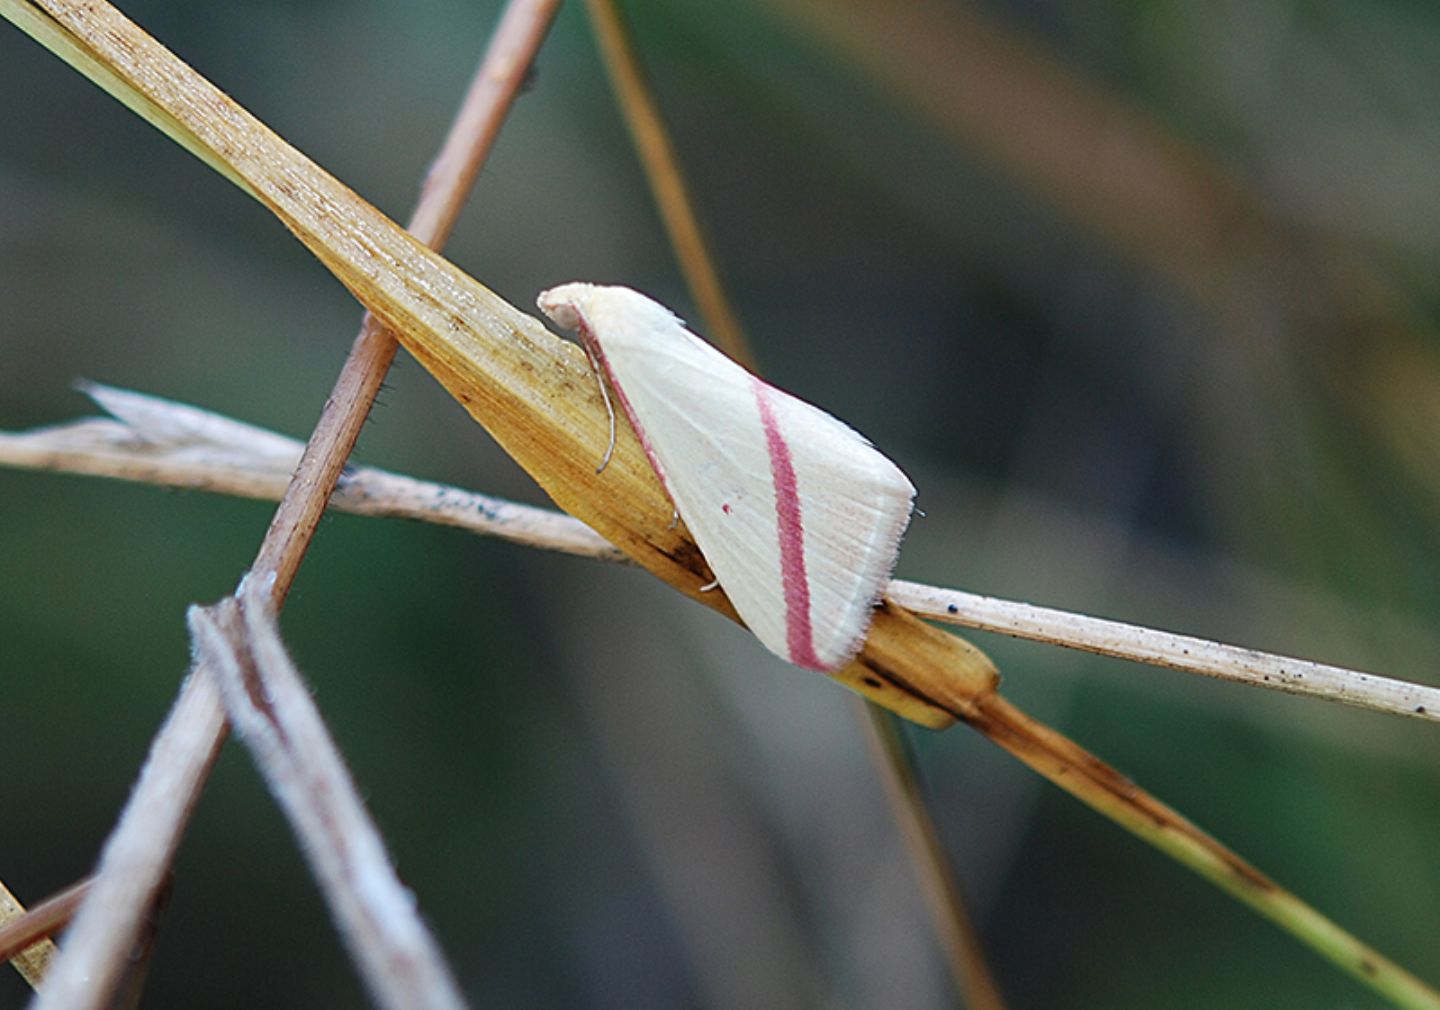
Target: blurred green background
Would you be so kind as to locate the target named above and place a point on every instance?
(1141, 295)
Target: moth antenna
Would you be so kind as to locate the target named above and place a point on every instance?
(609, 409)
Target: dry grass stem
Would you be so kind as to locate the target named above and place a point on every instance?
(135, 861)
(273, 712)
(136, 967)
(492, 89)
(30, 932)
(158, 441)
(1164, 648)
(955, 929)
(667, 182)
(1116, 796)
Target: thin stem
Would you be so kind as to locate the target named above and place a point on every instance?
(161, 442)
(135, 862)
(1164, 648)
(959, 939)
(1107, 791)
(42, 920)
(28, 949)
(667, 181)
(273, 711)
(447, 186)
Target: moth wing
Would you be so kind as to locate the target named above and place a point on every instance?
(700, 415)
(856, 504)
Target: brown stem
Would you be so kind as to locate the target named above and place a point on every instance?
(446, 188)
(42, 920)
(667, 181)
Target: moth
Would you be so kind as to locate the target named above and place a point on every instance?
(798, 515)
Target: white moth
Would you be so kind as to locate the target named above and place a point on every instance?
(798, 515)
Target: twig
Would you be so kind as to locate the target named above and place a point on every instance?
(1116, 796)
(136, 858)
(34, 955)
(138, 851)
(180, 451)
(447, 187)
(667, 181)
(959, 939)
(131, 982)
(1164, 648)
(273, 711)
(159, 441)
(43, 920)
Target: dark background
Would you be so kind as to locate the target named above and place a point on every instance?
(603, 795)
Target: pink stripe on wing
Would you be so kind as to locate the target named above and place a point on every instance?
(799, 634)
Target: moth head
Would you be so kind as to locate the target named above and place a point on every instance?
(564, 303)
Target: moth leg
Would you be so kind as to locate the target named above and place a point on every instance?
(712, 584)
(609, 409)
